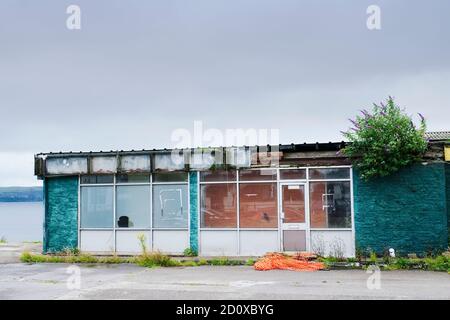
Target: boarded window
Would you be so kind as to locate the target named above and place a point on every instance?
(330, 204)
(138, 163)
(169, 161)
(219, 205)
(238, 157)
(170, 206)
(258, 205)
(69, 165)
(205, 159)
(103, 165)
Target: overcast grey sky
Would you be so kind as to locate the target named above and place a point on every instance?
(137, 70)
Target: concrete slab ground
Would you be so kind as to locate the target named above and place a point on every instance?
(49, 281)
(10, 252)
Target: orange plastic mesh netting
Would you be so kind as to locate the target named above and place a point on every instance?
(299, 262)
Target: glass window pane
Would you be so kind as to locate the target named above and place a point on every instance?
(170, 206)
(97, 207)
(329, 173)
(133, 178)
(218, 175)
(133, 207)
(293, 203)
(93, 179)
(330, 204)
(258, 205)
(258, 175)
(170, 177)
(292, 174)
(218, 206)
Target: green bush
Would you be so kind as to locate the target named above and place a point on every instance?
(440, 263)
(188, 252)
(28, 257)
(250, 262)
(189, 263)
(156, 259)
(202, 262)
(384, 141)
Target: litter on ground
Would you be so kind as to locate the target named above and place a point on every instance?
(302, 261)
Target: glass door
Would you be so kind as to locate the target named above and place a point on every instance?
(293, 217)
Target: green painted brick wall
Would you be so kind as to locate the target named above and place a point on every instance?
(61, 214)
(193, 227)
(406, 211)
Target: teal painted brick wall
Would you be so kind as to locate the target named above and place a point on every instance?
(406, 211)
(193, 227)
(447, 181)
(61, 214)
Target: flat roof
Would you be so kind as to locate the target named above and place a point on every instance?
(293, 147)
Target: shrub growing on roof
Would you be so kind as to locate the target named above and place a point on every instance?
(384, 140)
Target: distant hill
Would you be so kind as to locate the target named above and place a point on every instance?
(21, 194)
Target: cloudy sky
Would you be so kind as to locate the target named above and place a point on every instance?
(138, 70)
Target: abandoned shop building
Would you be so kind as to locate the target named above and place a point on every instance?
(243, 201)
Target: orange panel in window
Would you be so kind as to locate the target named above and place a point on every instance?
(293, 203)
(317, 208)
(258, 205)
(218, 206)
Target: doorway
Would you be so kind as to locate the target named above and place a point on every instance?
(294, 217)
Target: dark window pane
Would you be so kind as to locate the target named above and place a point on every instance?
(170, 177)
(132, 178)
(292, 174)
(218, 206)
(218, 175)
(329, 173)
(258, 175)
(92, 179)
(330, 204)
(258, 205)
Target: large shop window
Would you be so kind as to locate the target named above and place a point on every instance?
(97, 207)
(258, 205)
(133, 207)
(330, 204)
(218, 205)
(170, 206)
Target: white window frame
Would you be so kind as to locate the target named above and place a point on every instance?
(116, 229)
(279, 181)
